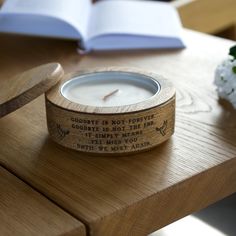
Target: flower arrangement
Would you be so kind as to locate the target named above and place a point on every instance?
(225, 77)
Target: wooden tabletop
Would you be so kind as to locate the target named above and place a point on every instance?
(23, 211)
(128, 195)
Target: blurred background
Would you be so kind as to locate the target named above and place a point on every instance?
(216, 17)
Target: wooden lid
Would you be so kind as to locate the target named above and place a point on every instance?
(25, 87)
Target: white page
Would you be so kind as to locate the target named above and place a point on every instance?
(130, 17)
(65, 18)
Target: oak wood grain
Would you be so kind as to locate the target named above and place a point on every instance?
(129, 195)
(28, 85)
(23, 211)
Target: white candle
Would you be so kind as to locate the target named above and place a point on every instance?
(110, 89)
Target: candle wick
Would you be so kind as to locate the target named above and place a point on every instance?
(110, 94)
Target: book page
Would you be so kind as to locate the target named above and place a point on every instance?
(129, 17)
(65, 18)
(127, 42)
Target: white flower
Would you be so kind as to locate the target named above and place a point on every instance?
(225, 80)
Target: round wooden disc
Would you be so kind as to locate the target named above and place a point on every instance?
(23, 88)
(111, 130)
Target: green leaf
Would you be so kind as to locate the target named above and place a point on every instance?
(234, 69)
(232, 51)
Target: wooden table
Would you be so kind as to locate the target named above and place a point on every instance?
(128, 195)
(23, 211)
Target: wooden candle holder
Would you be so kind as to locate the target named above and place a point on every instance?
(111, 130)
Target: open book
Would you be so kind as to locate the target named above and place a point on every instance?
(105, 25)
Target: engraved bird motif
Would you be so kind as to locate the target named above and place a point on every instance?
(163, 128)
(62, 132)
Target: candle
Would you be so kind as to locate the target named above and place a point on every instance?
(111, 111)
(110, 89)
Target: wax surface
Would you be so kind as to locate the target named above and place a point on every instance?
(109, 89)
